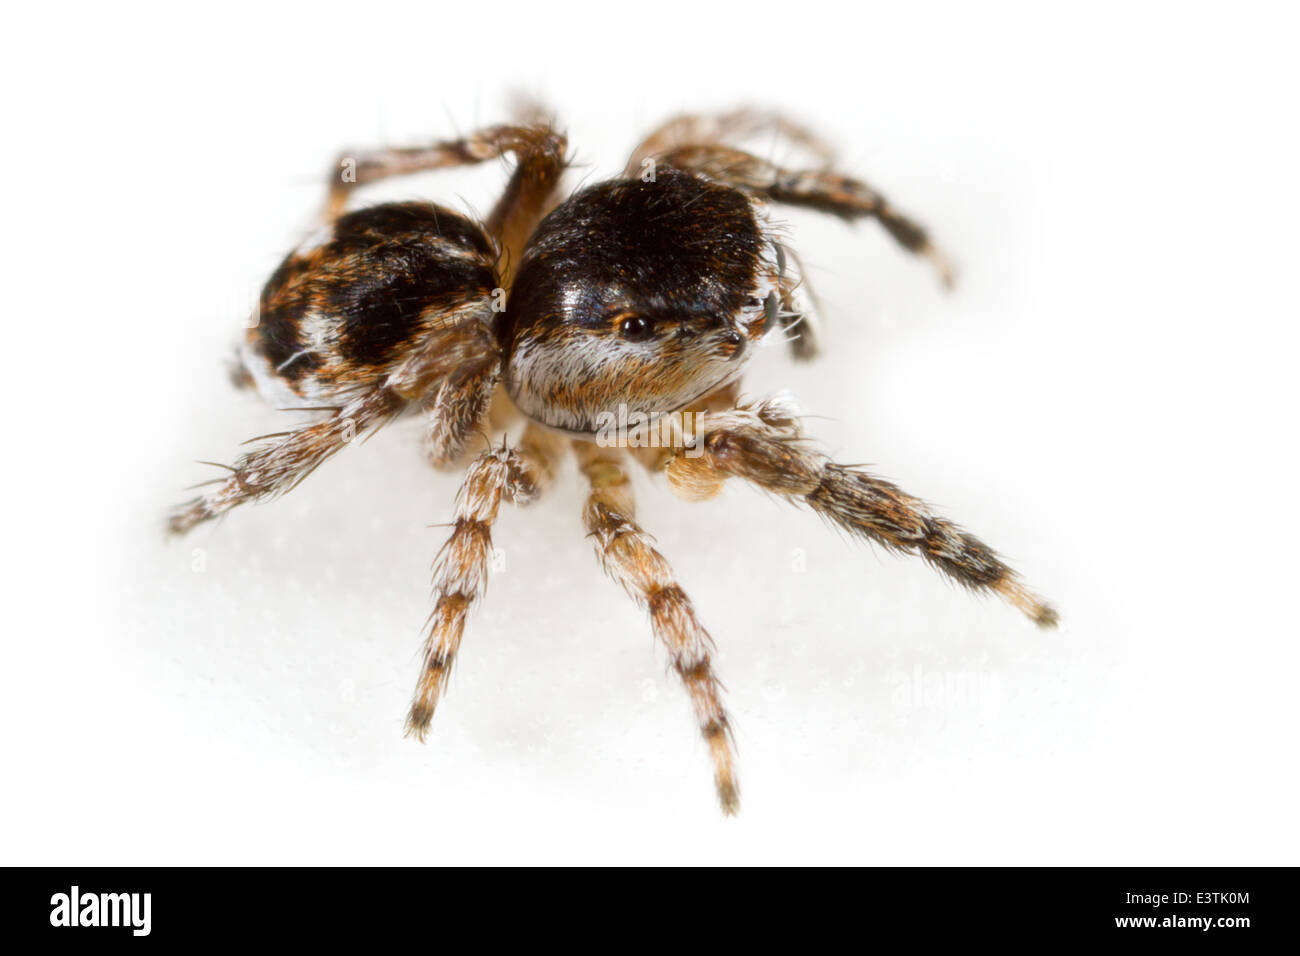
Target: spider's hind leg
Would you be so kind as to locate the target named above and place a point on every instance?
(628, 557)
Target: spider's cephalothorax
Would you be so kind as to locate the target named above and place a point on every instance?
(646, 293)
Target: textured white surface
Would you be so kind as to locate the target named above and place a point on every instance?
(1107, 398)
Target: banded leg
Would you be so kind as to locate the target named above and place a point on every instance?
(628, 557)
(763, 444)
(823, 190)
(539, 154)
(278, 465)
(732, 127)
(461, 568)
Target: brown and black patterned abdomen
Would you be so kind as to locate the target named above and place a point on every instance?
(346, 313)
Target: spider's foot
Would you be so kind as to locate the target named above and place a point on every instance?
(728, 797)
(717, 734)
(942, 264)
(1034, 607)
(418, 720)
(185, 517)
(1047, 617)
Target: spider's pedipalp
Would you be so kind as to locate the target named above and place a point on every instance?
(763, 445)
(541, 450)
(800, 317)
(461, 568)
(629, 558)
(459, 404)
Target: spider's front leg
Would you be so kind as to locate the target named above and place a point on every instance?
(763, 444)
(628, 557)
(461, 568)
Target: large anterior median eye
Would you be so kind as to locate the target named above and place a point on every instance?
(636, 328)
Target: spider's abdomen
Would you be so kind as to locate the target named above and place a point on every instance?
(347, 309)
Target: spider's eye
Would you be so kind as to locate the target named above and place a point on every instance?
(636, 328)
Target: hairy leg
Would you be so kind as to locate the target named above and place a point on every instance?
(539, 153)
(461, 569)
(762, 444)
(628, 557)
(454, 363)
(277, 465)
(458, 406)
(356, 168)
(529, 195)
(823, 190)
(731, 127)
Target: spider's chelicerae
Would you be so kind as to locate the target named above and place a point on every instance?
(641, 298)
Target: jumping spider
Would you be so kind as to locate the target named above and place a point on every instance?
(648, 292)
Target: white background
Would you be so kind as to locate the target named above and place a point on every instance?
(1108, 398)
